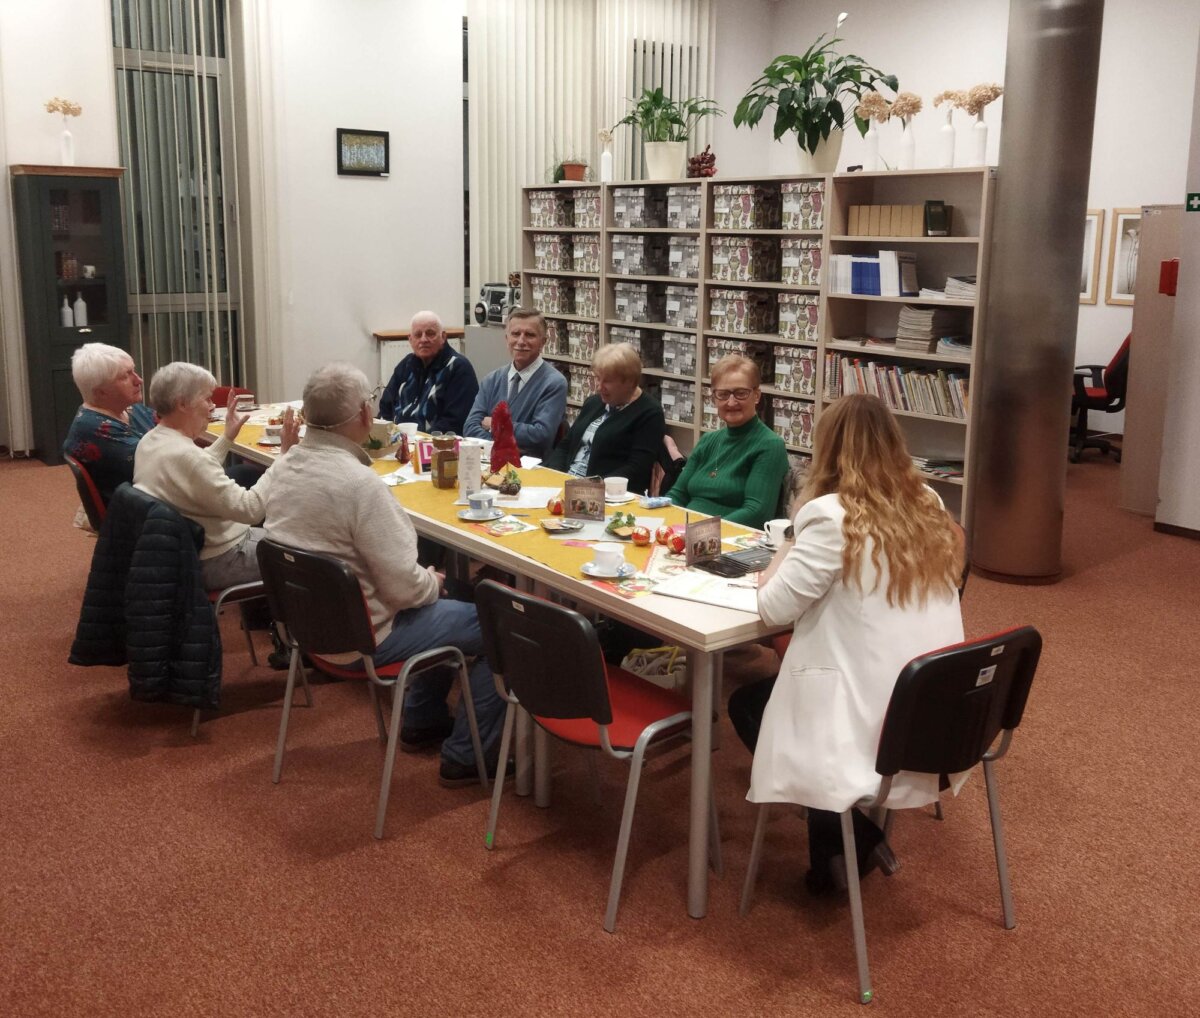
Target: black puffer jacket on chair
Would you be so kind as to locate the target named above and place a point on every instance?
(145, 604)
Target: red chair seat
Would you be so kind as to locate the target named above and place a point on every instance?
(1094, 393)
(636, 704)
(350, 672)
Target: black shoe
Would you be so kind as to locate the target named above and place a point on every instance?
(413, 740)
(280, 660)
(820, 882)
(456, 775)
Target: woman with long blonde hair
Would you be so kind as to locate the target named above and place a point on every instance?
(869, 582)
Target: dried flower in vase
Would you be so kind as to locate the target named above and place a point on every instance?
(980, 96)
(906, 105)
(64, 106)
(873, 106)
(605, 136)
(954, 96)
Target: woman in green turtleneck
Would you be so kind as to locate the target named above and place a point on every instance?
(737, 472)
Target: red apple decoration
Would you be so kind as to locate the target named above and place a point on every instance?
(663, 534)
(676, 543)
(555, 506)
(641, 536)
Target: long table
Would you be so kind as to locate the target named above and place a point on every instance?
(703, 630)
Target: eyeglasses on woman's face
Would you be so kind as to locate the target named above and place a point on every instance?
(732, 395)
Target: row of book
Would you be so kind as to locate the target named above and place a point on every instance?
(957, 288)
(939, 466)
(940, 393)
(887, 274)
(955, 347)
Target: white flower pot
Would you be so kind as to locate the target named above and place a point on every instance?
(825, 159)
(666, 160)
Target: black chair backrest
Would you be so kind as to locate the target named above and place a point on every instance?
(949, 705)
(549, 655)
(318, 598)
(89, 494)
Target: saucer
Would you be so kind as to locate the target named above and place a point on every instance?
(625, 499)
(594, 571)
(471, 517)
(270, 440)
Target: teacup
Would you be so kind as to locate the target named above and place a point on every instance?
(408, 428)
(608, 556)
(273, 431)
(481, 502)
(616, 487)
(243, 400)
(777, 532)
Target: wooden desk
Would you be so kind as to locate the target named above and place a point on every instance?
(704, 630)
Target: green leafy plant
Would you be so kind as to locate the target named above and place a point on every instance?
(812, 94)
(661, 118)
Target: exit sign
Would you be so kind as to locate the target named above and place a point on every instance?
(1193, 202)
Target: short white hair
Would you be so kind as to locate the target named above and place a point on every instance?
(94, 365)
(334, 393)
(178, 382)
(427, 316)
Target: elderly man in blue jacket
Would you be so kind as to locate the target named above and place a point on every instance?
(535, 391)
(434, 386)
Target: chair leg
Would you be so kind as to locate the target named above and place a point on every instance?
(714, 835)
(303, 673)
(760, 829)
(389, 757)
(195, 722)
(618, 873)
(464, 686)
(865, 992)
(249, 641)
(377, 710)
(993, 794)
(510, 713)
(937, 810)
(287, 713)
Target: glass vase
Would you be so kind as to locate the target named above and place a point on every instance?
(66, 146)
(946, 140)
(907, 159)
(978, 148)
(871, 159)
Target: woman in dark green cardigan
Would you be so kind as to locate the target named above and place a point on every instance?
(619, 430)
(736, 473)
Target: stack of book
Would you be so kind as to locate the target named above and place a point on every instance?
(955, 346)
(887, 274)
(938, 393)
(961, 287)
(939, 466)
(918, 328)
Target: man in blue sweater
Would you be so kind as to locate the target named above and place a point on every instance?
(536, 392)
(434, 386)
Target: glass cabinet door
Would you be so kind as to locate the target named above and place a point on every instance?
(81, 251)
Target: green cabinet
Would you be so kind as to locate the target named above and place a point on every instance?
(70, 251)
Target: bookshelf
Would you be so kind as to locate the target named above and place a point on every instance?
(654, 270)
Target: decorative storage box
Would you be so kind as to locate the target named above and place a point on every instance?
(648, 345)
(682, 306)
(570, 414)
(678, 401)
(638, 206)
(552, 252)
(796, 369)
(798, 316)
(581, 340)
(803, 205)
(587, 298)
(587, 208)
(709, 420)
(679, 353)
(745, 207)
(793, 421)
(585, 253)
(683, 207)
(637, 302)
(801, 261)
(683, 258)
(741, 311)
(579, 383)
(745, 258)
(757, 352)
(556, 337)
(550, 208)
(552, 296)
(636, 254)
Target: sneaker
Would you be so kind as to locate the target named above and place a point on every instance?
(413, 740)
(457, 775)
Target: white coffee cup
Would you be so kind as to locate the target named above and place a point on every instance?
(608, 556)
(408, 428)
(273, 431)
(776, 531)
(243, 400)
(481, 502)
(616, 487)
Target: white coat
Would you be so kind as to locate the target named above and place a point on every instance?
(820, 732)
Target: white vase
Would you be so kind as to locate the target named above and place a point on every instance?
(871, 159)
(977, 152)
(907, 159)
(946, 140)
(66, 148)
(666, 160)
(825, 159)
(606, 165)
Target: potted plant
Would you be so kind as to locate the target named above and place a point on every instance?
(570, 169)
(666, 124)
(814, 96)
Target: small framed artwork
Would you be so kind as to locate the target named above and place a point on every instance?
(1123, 255)
(362, 153)
(1089, 275)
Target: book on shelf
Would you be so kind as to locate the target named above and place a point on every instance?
(939, 393)
(961, 287)
(918, 328)
(886, 274)
(941, 466)
(955, 346)
(930, 293)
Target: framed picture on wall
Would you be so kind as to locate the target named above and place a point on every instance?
(1089, 275)
(1123, 255)
(362, 153)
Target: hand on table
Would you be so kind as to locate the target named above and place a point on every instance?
(290, 434)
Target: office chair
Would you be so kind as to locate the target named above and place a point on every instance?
(1098, 387)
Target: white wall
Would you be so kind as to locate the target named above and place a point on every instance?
(48, 48)
(358, 254)
(742, 34)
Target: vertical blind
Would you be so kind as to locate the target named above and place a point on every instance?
(544, 77)
(174, 105)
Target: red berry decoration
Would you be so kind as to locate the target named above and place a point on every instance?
(702, 164)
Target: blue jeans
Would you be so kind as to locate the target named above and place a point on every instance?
(446, 624)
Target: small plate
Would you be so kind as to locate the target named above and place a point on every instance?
(596, 573)
(625, 499)
(471, 517)
(555, 525)
(269, 440)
